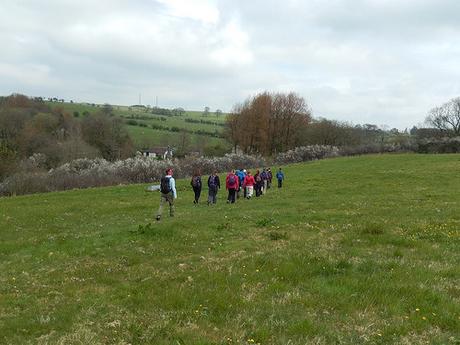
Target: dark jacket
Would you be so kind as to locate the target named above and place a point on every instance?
(216, 181)
(198, 180)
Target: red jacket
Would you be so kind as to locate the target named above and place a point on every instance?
(249, 181)
(235, 185)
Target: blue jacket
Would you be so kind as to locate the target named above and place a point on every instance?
(241, 175)
(280, 175)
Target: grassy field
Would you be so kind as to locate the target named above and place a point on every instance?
(147, 136)
(358, 250)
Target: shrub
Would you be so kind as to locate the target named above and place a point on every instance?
(441, 145)
(83, 173)
(307, 153)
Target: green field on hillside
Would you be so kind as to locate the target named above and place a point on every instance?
(148, 136)
(361, 250)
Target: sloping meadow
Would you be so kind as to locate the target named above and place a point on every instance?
(360, 250)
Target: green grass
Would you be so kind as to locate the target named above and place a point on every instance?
(147, 136)
(351, 251)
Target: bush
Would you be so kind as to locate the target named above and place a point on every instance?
(307, 153)
(376, 148)
(83, 173)
(442, 145)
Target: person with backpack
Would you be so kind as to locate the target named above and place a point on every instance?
(241, 175)
(270, 178)
(264, 177)
(248, 184)
(214, 186)
(280, 178)
(232, 185)
(259, 183)
(196, 185)
(168, 193)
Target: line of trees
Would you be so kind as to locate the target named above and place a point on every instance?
(268, 123)
(28, 126)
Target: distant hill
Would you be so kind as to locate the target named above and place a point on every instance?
(159, 126)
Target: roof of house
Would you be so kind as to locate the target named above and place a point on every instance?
(157, 150)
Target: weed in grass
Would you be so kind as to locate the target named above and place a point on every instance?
(142, 229)
(226, 226)
(155, 231)
(265, 222)
(372, 229)
(277, 235)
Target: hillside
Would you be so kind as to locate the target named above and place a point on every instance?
(351, 251)
(148, 128)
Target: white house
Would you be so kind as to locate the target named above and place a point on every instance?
(155, 152)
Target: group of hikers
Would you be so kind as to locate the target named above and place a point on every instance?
(238, 183)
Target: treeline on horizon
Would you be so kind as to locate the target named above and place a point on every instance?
(269, 123)
(265, 124)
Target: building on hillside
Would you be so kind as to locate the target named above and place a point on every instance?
(158, 152)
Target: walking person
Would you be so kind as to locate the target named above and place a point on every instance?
(270, 177)
(232, 185)
(264, 177)
(259, 183)
(168, 193)
(196, 185)
(214, 186)
(240, 174)
(280, 178)
(248, 185)
(244, 173)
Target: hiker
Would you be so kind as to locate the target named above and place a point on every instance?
(270, 178)
(196, 185)
(264, 177)
(232, 185)
(248, 185)
(259, 183)
(280, 178)
(168, 193)
(214, 186)
(241, 177)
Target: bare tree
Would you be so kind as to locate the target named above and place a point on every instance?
(446, 117)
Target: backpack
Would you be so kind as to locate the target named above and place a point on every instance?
(165, 185)
(231, 180)
(212, 181)
(258, 179)
(196, 181)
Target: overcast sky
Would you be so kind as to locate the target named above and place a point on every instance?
(364, 61)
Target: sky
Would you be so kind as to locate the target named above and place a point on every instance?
(384, 62)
